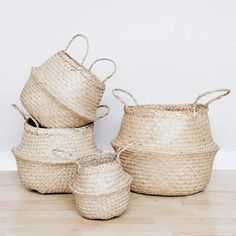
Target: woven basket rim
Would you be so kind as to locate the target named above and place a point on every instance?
(92, 77)
(43, 130)
(64, 162)
(127, 185)
(89, 161)
(148, 150)
(172, 108)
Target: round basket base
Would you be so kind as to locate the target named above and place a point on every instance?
(167, 175)
(46, 177)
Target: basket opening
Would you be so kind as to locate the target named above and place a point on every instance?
(72, 59)
(168, 108)
(97, 159)
(32, 123)
(77, 64)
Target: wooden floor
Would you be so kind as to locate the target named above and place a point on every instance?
(210, 213)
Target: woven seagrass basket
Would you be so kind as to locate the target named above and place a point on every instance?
(101, 188)
(62, 92)
(38, 168)
(173, 149)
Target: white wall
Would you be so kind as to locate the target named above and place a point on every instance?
(166, 52)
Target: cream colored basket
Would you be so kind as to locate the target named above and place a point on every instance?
(101, 188)
(38, 169)
(174, 149)
(63, 93)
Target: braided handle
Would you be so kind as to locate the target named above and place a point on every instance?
(105, 59)
(126, 92)
(225, 92)
(62, 154)
(69, 156)
(25, 115)
(66, 155)
(106, 113)
(87, 45)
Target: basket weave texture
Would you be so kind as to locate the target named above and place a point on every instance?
(62, 92)
(45, 108)
(165, 174)
(42, 171)
(45, 177)
(101, 188)
(173, 149)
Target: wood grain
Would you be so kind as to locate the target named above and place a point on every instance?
(210, 213)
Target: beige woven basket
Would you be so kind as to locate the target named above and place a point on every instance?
(62, 93)
(38, 168)
(173, 151)
(101, 188)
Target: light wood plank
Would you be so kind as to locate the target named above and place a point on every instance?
(210, 213)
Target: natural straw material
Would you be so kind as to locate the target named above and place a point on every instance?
(101, 187)
(171, 129)
(38, 168)
(45, 177)
(62, 92)
(173, 149)
(167, 174)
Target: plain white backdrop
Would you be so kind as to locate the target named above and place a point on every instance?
(166, 52)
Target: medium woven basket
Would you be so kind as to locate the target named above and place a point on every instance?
(173, 149)
(62, 93)
(101, 188)
(38, 168)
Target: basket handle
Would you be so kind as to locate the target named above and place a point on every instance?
(105, 59)
(87, 45)
(59, 153)
(25, 115)
(225, 92)
(122, 149)
(126, 92)
(66, 155)
(106, 113)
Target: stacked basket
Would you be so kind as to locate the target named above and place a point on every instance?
(173, 149)
(61, 97)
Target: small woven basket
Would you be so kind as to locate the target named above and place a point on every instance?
(62, 93)
(101, 188)
(38, 168)
(173, 149)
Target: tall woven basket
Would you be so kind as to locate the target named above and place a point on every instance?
(38, 168)
(101, 188)
(62, 92)
(174, 150)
